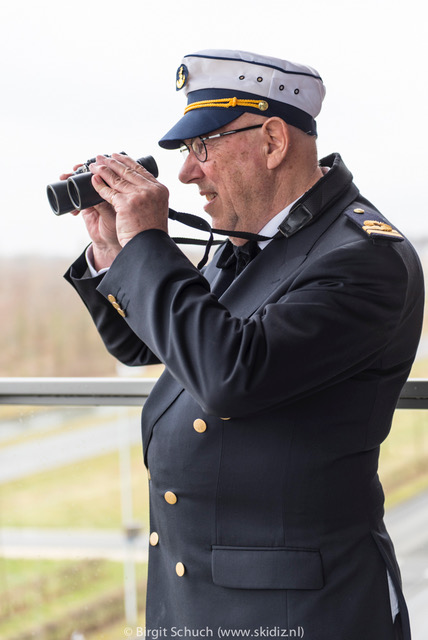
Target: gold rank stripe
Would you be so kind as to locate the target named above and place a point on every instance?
(380, 228)
(262, 105)
(379, 232)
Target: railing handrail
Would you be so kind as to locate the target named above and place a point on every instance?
(414, 394)
(75, 391)
(132, 391)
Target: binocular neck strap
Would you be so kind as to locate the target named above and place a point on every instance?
(196, 222)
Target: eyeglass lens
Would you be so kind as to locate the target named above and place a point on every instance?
(198, 147)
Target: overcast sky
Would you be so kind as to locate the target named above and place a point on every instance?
(98, 76)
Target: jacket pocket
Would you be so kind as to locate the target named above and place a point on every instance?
(267, 568)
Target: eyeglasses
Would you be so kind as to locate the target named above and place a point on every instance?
(198, 144)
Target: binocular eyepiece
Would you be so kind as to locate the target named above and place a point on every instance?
(77, 191)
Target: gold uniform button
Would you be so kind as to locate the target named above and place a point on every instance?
(154, 538)
(180, 569)
(122, 313)
(224, 418)
(358, 210)
(170, 497)
(200, 425)
(111, 298)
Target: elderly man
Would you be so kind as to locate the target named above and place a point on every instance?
(284, 361)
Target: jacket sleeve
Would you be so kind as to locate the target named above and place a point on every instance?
(118, 337)
(335, 319)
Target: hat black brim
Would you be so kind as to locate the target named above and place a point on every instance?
(198, 122)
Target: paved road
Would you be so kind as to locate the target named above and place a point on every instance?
(408, 527)
(423, 352)
(56, 450)
(57, 544)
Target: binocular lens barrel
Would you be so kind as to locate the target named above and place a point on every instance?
(78, 193)
(58, 198)
(81, 192)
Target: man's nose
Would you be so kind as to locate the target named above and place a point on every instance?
(191, 170)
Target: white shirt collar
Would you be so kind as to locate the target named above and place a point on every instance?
(272, 226)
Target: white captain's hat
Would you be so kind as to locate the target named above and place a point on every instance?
(221, 85)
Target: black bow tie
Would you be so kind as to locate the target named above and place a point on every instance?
(238, 257)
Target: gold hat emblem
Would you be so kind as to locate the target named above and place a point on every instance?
(181, 78)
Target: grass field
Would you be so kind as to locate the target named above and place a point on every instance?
(49, 600)
(86, 494)
(403, 467)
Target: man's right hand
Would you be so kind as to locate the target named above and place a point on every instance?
(100, 222)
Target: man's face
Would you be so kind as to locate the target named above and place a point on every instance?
(233, 178)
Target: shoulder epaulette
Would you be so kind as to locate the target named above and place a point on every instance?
(373, 224)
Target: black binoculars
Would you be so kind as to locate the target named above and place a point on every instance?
(77, 191)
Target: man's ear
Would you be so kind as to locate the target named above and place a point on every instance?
(277, 141)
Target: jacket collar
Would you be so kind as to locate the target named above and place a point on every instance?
(320, 197)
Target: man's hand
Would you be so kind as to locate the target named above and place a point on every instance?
(101, 225)
(139, 200)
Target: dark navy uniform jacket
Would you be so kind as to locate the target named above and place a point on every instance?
(262, 436)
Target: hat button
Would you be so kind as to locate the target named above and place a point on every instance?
(263, 105)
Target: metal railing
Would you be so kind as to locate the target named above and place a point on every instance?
(414, 394)
(132, 391)
(75, 391)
